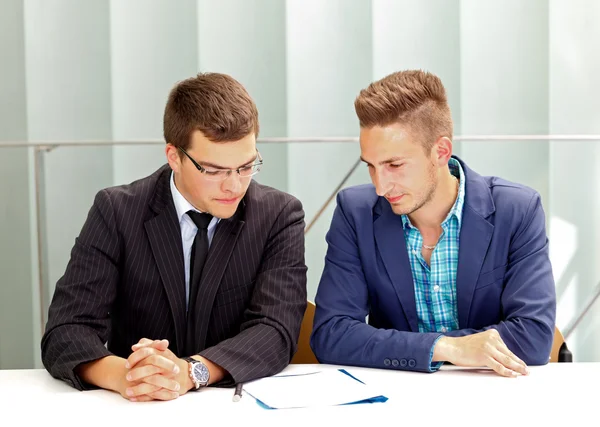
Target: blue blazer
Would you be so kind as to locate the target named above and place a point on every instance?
(504, 279)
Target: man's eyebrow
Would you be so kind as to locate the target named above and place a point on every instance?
(384, 162)
(213, 165)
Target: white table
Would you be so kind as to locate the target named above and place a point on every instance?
(551, 395)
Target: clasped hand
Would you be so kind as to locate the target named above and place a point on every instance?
(153, 372)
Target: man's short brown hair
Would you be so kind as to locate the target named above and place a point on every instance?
(414, 98)
(213, 103)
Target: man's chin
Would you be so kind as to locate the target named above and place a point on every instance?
(403, 210)
(400, 211)
(223, 211)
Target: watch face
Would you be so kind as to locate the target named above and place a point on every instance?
(201, 373)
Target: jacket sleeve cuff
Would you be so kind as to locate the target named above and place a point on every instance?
(433, 367)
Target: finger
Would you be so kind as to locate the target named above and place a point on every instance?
(510, 360)
(500, 368)
(141, 343)
(141, 372)
(144, 398)
(164, 364)
(145, 342)
(164, 395)
(167, 365)
(140, 389)
(163, 382)
(139, 355)
(161, 345)
(158, 344)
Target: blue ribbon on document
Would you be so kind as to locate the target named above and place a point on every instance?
(374, 399)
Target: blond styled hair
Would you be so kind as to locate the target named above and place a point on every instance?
(414, 98)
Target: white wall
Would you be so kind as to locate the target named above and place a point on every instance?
(16, 251)
(574, 168)
(504, 87)
(67, 54)
(329, 50)
(152, 46)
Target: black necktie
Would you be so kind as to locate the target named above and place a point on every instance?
(197, 260)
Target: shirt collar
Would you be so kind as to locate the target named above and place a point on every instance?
(181, 204)
(457, 208)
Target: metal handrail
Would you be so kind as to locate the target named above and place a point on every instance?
(50, 144)
(577, 320)
(332, 196)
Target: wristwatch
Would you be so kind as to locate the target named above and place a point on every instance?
(198, 372)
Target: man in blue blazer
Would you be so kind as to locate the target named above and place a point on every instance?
(447, 265)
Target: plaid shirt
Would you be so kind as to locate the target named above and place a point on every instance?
(435, 284)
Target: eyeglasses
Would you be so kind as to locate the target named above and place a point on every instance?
(212, 174)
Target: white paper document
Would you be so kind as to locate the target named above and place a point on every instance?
(322, 388)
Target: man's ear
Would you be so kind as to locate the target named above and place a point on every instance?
(173, 158)
(443, 150)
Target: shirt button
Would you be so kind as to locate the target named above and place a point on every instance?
(414, 252)
(436, 288)
(444, 329)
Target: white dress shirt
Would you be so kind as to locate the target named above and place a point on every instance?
(188, 231)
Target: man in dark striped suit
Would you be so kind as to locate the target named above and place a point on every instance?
(192, 276)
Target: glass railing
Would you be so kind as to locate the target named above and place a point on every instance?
(48, 188)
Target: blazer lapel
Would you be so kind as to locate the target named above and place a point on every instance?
(475, 237)
(222, 246)
(164, 235)
(391, 244)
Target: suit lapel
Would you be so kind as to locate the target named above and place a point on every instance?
(391, 244)
(221, 248)
(164, 235)
(475, 237)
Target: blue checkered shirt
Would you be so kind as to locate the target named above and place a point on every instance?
(435, 284)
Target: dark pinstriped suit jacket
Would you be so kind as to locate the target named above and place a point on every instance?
(125, 281)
